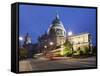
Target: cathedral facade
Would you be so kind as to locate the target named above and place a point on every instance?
(57, 34)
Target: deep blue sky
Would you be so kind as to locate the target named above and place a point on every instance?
(36, 19)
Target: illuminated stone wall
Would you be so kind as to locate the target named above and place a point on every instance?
(60, 40)
(80, 41)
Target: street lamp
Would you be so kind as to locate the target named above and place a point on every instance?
(51, 43)
(20, 40)
(45, 46)
(45, 51)
(70, 33)
(51, 55)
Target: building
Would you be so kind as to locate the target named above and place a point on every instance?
(57, 34)
(80, 41)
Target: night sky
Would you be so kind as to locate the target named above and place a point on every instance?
(35, 20)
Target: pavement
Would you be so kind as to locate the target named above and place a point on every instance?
(24, 65)
(58, 63)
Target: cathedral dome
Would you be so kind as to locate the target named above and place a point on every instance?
(57, 28)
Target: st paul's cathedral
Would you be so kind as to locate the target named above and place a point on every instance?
(56, 35)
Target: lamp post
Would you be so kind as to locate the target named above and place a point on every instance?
(51, 43)
(45, 51)
(45, 47)
(51, 56)
(20, 40)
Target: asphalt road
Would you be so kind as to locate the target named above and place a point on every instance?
(67, 63)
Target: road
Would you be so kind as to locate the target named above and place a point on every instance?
(66, 63)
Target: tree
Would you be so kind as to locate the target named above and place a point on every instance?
(68, 48)
(84, 51)
(68, 45)
(23, 53)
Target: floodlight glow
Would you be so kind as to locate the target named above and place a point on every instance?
(51, 43)
(45, 46)
(70, 33)
(21, 38)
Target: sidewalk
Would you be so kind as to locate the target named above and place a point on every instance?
(25, 65)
